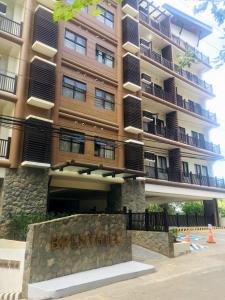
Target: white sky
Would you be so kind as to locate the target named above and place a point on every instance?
(210, 46)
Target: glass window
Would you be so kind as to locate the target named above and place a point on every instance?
(198, 169)
(204, 171)
(74, 89)
(3, 8)
(185, 168)
(75, 42)
(105, 17)
(71, 141)
(104, 56)
(162, 163)
(104, 148)
(104, 99)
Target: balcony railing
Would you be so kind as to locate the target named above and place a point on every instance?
(190, 178)
(4, 148)
(196, 108)
(176, 135)
(187, 46)
(10, 26)
(177, 40)
(191, 106)
(169, 65)
(8, 83)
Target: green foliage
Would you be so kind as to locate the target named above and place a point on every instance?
(64, 11)
(186, 60)
(217, 9)
(191, 208)
(221, 207)
(18, 224)
(153, 207)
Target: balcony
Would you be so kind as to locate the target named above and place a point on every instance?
(143, 16)
(10, 26)
(154, 90)
(196, 108)
(8, 83)
(178, 136)
(5, 148)
(169, 65)
(199, 55)
(189, 178)
(130, 7)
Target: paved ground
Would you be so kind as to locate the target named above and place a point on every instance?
(196, 276)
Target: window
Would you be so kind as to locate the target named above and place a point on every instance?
(71, 141)
(185, 168)
(74, 89)
(104, 56)
(75, 42)
(162, 163)
(204, 171)
(105, 17)
(3, 8)
(198, 169)
(104, 99)
(104, 148)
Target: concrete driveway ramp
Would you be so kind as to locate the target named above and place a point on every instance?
(83, 281)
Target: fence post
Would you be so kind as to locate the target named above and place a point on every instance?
(196, 219)
(165, 220)
(177, 217)
(130, 219)
(187, 221)
(146, 220)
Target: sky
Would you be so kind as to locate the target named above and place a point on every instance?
(210, 46)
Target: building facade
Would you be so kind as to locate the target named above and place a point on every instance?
(96, 113)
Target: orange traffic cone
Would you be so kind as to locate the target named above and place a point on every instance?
(187, 237)
(210, 236)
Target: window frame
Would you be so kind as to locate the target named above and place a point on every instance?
(185, 168)
(162, 164)
(106, 145)
(198, 170)
(3, 5)
(70, 138)
(106, 55)
(75, 43)
(74, 89)
(103, 18)
(104, 100)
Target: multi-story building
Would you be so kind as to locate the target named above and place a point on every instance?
(96, 114)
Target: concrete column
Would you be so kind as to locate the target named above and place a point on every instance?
(130, 194)
(211, 208)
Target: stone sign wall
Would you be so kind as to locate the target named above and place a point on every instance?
(73, 244)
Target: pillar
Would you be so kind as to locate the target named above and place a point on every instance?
(211, 208)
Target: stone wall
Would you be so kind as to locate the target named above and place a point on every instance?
(74, 244)
(24, 190)
(161, 242)
(130, 194)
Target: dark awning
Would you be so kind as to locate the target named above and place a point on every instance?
(104, 171)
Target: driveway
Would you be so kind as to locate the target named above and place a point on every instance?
(196, 276)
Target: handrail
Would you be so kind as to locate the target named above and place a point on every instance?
(8, 83)
(10, 26)
(177, 69)
(189, 177)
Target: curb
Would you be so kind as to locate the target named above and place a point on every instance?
(11, 296)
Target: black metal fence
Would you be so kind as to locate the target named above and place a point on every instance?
(10, 26)
(161, 221)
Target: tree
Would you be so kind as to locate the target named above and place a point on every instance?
(66, 9)
(192, 208)
(217, 9)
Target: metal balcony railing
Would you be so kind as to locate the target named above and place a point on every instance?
(8, 83)
(143, 16)
(189, 105)
(189, 177)
(169, 65)
(5, 147)
(10, 26)
(200, 56)
(176, 135)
